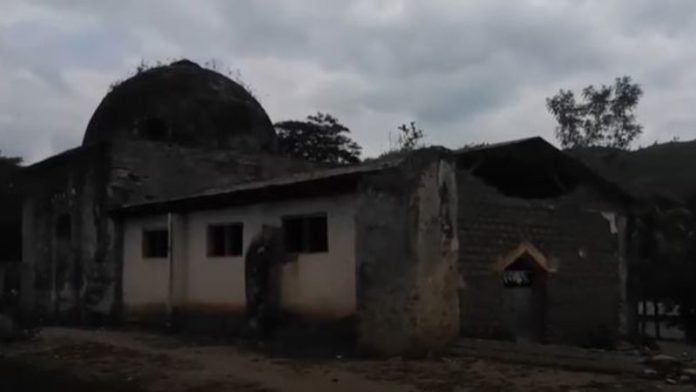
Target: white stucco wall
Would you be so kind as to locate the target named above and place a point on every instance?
(318, 285)
(145, 280)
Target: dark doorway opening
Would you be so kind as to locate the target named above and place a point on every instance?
(524, 298)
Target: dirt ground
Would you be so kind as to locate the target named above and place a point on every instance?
(98, 360)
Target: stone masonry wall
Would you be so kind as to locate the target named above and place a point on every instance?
(583, 296)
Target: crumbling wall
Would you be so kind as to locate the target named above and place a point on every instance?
(583, 288)
(64, 246)
(406, 249)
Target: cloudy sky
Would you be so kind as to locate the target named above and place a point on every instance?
(465, 71)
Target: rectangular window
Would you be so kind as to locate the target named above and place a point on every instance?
(155, 243)
(225, 239)
(306, 233)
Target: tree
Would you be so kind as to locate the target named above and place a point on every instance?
(667, 267)
(605, 117)
(410, 137)
(321, 138)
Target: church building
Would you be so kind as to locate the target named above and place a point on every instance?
(177, 210)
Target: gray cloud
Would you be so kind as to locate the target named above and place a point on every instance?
(465, 71)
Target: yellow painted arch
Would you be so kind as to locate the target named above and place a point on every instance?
(523, 248)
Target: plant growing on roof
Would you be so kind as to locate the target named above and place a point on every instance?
(410, 137)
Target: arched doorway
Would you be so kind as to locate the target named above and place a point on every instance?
(524, 275)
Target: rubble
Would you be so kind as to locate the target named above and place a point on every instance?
(671, 369)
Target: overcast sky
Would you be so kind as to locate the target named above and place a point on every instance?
(465, 71)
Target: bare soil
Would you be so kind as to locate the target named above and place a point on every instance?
(96, 360)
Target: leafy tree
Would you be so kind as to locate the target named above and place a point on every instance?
(410, 137)
(321, 138)
(604, 117)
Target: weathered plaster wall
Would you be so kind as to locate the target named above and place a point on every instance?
(145, 280)
(438, 245)
(406, 249)
(67, 274)
(318, 286)
(583, 296)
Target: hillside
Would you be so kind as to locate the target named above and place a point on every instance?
(664, 170)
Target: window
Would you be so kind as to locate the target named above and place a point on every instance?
(225, 239)
(155, 243)
(306, 233)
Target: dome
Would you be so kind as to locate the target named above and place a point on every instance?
(182, 103)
